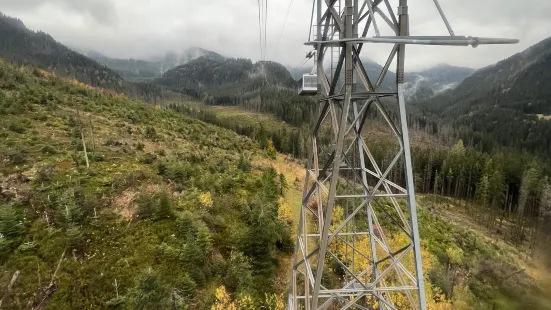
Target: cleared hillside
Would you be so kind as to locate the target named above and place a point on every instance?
(169, 209)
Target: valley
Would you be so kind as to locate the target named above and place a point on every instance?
(177, 182)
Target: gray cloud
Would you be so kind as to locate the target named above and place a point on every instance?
(101, 12)
(148, 28)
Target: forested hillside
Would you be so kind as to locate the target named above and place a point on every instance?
(428, 83)
(224, 77)
(20, 45)
(499, 181)
(111, 203)
(515, 91)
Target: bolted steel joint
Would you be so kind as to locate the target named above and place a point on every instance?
(403, 10)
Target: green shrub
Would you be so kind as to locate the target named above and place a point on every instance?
(111, 142)
(239, 274)
(16, 127)
(162, 168)
(164, 206)
(5, 249)
(157, 206)
(45, 173)
(150, 133)
(17, 157)
(97, 158)
(48, 150)
(148, 159)
(74, 238)
(11, 225)
(146, 207)
(150, 292)
(244, 163)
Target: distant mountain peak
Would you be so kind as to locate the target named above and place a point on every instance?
(441, 65)
(194, 52)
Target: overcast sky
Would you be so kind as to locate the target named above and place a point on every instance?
(148, 28)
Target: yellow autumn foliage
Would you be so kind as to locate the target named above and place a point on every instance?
(206, 200)
(274, 302)
(284, 212)
(223, 300)
(245, 302)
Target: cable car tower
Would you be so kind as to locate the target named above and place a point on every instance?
(358, 244)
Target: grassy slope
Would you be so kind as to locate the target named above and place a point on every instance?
(232, 113)
(109, 240)
(491, 273)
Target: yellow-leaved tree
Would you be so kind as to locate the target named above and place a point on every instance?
(223, 300)
(206, 200)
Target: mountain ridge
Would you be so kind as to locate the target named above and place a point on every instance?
(507, 83)
(230, 74)
(133, 69)
(21, 45)
(516, 90)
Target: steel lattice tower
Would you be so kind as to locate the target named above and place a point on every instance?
(358, 243)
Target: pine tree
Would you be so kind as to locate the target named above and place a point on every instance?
(526, 197)
(10, 222)
(483, 191)
(68, 212)
(149, 292)
(544, 211)
(146, 207)
(204, 240)
(436, 184)
(244, 163)
(270, 149)
(164, 210)
(283, 186)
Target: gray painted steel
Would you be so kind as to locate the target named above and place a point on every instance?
(358, 243)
